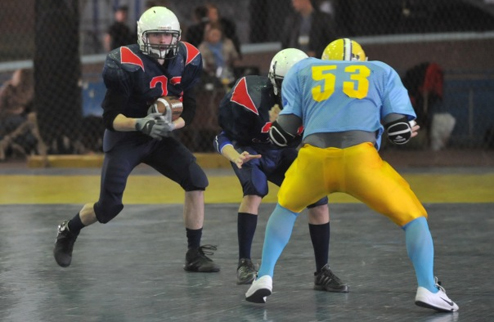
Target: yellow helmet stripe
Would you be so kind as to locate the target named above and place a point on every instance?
(347, 49)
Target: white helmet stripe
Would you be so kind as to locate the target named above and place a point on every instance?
(347, 49)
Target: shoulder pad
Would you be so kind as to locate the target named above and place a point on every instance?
(191, 54)
(245, 94)
(129, 58)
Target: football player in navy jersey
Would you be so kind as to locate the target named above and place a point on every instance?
(245, 116)
(345, 104)
(135, 76)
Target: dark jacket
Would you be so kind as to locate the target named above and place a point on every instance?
(323, 31)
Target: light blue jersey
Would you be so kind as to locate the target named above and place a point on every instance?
(339, 96)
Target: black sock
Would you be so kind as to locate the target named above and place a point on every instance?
(75, 224)
(319, 234)
(246, 228)
(194, 237)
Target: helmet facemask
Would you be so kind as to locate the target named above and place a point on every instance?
(160, 51)
(275, 79)
(158, 20)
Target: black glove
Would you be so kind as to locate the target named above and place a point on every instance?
(153, 125)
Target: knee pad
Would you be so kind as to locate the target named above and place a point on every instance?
(252, 179)
(195, 178)
(105, 213)
(257, 185)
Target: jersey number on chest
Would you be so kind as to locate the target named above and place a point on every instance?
(163, 81)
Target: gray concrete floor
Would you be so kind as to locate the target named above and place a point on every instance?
(131, 269)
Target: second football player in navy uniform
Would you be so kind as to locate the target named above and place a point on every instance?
(135, 76)
(245, 116)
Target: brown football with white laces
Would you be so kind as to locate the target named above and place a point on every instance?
(175, 104)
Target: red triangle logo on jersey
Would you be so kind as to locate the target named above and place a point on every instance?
(128, 57)
(192, 52)
(241, 96)
(266, 127)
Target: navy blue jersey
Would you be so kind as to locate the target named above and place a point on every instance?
(140, 79)
(244, 112)
(135, 80)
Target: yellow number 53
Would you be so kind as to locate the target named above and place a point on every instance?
(358, 87)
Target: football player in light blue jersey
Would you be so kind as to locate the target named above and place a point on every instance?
(345, 103)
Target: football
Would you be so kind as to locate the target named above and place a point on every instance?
(175, 104)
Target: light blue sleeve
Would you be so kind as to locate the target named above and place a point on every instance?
(291, 97)
(396, 98)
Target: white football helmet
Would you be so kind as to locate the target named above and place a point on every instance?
(158, 20)
(281, 63)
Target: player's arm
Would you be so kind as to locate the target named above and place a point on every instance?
(239, 159)
(399, 129)
(397, 112)
(284, 129)
(224, 146)
(114, 120)
(189, 109)
(191, 77)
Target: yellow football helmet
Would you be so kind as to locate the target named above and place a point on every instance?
(344, 49)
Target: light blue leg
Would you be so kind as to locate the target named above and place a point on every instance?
(278, 231)
(420, 249)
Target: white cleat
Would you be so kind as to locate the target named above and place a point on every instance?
(260, 289)
(437, 301)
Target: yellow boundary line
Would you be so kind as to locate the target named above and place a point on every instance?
(155, 189)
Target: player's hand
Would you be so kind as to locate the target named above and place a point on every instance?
(245, 157)
(415, 128)
(168, 126)
(168, 123)
(153, 125)
(274, 112)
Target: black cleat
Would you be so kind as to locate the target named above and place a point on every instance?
(197, 261)
(325, 280)
(64, 245)
(246, 271)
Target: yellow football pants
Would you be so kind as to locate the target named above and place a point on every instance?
(358, 171)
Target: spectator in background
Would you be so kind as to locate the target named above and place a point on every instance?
(218, 53)
(195, 33)
(119, 34)
(18, 128)
(228, 26)
(308, 29)
(16, 94)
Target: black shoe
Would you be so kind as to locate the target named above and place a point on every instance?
(197, 261)
(246, 271)
(64, 245)
(325, 280)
